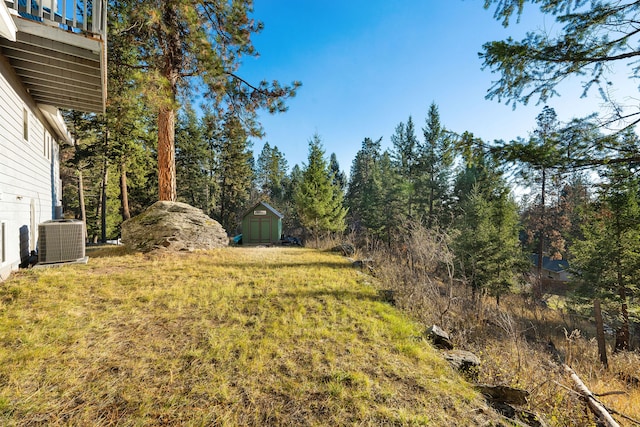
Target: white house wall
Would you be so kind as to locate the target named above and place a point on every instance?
(29, 171)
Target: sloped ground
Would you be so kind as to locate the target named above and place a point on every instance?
(262, 336)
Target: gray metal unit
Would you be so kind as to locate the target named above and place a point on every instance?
(60, 241)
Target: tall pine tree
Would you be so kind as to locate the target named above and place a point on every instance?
(433, 168)
(181, 44)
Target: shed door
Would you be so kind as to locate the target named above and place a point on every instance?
(265, 230)
(260, 231)
(254, 231)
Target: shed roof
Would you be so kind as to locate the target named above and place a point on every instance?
(556, 265)
(266, 205)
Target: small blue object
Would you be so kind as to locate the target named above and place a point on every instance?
(237, 238)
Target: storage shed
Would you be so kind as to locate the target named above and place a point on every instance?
(261, 224)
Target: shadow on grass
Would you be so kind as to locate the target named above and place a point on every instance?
(106, 251)
(276, 264)
(338, 294)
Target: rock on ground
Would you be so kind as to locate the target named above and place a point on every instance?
(464, 361)
(172, 226)
(439, 338)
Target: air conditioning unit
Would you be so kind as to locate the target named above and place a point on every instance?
(60, 240)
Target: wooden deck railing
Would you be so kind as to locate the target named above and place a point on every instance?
(79, 16)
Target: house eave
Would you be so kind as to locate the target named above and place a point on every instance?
(8, 28)
(63, 69)
(54, 118)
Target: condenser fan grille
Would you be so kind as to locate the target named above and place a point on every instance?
(61, 241)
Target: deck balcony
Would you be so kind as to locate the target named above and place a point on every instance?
(60, 51)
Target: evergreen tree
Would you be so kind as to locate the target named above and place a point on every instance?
(434, 169)
(486, 246)
(364, 192)
(541, 162)
(271, 172)
(479, 172)
(339, 177)
(405, 159)
(318, 200)
(192, 156)
(129, 121)
(394, 193)
(592, 38)
(180, 39)
(235, 173)
(574, 198)
(77, 169)
(291, 220)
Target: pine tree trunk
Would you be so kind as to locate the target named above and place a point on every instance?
(101, 201)
(166, 155)
(124, 193)
(431, 197)
(103, 197)
(542, 225)
(622, 334)
(83, 207)
(172, 58)
(602, 347)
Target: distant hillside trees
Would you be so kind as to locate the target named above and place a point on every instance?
(411, 181)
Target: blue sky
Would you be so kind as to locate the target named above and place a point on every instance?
(366, 65)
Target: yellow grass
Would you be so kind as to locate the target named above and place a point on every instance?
(237, 336)
(514, 352)
(512, 341)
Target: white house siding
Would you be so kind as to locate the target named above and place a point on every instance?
(29, 172)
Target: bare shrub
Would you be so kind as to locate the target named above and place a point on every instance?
(419, 268)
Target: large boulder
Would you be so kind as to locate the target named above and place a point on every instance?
(172, 226)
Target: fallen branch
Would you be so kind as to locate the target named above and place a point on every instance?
(596, 407)
(609, 393)
(626, 417)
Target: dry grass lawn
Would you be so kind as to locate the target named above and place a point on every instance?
(237, 336)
